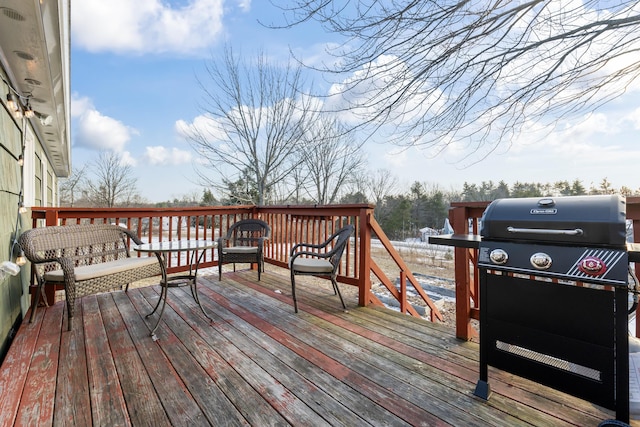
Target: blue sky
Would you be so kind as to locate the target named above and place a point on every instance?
(134, 66)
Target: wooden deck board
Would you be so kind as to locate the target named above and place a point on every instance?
(378, 325)
(140, 397)
(317, 355)
(72, 402)
(105, 389)
(18, 362)
(258, 363)
(330, 397)
(363, 372)
(399, 359)
(223, 376)
(180, 406)
(38, 395)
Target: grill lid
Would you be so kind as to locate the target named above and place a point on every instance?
(583, 220)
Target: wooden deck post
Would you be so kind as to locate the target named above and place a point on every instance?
(460, 223)
(364, 279)
(633, 213)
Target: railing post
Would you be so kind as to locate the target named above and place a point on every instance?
(403, 292)
(51, 217)
(633, 213)
(460, 224)
(636, 238)
(364, 279)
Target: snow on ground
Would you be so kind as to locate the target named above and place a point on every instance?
(439, 289)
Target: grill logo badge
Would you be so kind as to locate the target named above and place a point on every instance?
(592, 266)
(547, 211)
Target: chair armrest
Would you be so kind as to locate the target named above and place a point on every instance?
(306, 245)
(319, 245)
(220, 245)
(132, 236)
(313, 254)
(30, 251)
(137, 241)
(69, 274)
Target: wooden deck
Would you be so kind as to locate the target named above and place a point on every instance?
(258, 364)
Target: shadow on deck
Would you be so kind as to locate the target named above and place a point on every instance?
(257, 363)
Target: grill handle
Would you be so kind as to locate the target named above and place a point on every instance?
(575, 232)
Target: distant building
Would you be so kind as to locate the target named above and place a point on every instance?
(426, 232)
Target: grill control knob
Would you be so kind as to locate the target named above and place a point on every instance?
(592, 266)
(540, 260)
(498, 256)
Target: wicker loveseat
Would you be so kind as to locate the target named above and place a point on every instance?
(87, 259)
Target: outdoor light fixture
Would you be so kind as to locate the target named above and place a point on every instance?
(45, 120)
(20, 160)
(17, 251)
(11, 102)
(18, 113)
(28, 112)
(21, 208)
(21, 259)
(8, 267)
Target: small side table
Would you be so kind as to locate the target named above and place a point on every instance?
(172, 246)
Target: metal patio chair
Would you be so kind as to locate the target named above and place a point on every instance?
(319, 260)
(243, 244)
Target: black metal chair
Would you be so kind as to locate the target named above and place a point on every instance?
(319, 260)
(243, 244)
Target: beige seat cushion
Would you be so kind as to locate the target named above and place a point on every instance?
(240, 250)
(312, 265)
(86, 272)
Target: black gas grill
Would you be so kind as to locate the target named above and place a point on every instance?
(554, 297)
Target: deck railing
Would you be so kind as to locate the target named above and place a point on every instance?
(464, 218)
(290, 225)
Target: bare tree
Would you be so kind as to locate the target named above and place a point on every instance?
(292, 190)
(255, 118)
(381, 183)
(356, 187)
(113, 183)
(71, 186)
(479, 73)
(330, 157)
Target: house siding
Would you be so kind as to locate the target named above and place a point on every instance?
(14, 290)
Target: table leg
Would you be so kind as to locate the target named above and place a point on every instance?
(194, 282)
(163, 295)
(190, 279)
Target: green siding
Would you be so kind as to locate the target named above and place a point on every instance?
(11, 288)
(14, 291)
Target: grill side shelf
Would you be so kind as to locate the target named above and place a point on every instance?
(471, 241)
(633, 249)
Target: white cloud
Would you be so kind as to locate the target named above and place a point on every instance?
(80, 105)
(144, 26)
(127, 159)
(159, 155)
(634, 118)
(202, 125)
(97, 131)
(244, 5)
